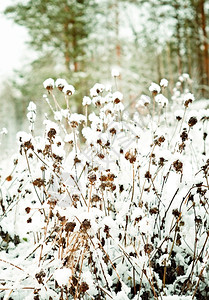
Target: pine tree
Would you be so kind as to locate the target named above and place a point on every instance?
(61, 26)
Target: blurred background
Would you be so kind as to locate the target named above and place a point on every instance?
(83, 40)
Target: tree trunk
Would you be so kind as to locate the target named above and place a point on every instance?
(118, 46)
(205, 42)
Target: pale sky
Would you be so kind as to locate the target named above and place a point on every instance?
(13, 50)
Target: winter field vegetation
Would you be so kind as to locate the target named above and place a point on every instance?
(110, 203)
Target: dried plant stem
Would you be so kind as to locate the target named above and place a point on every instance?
(200, 276)
(45, 232)
(90, 192)
(11, 264)
(55, 101)
(86, 114)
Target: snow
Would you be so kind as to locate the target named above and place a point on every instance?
(69, 89)
(115, 73)
(164, 82)
(109, 202)
(48, 83)
(86, 101)
(154, 87)
(62, 276)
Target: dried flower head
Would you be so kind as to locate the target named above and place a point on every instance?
(92, 177)
(86, 101)
(49, 84)
(188, 98)
(97, 89)
(178, 166)
(60, 84)
(154, 88)
(161, 100)
(192, 121)
(69, 90)
(115, 73)
(144, 100)
(117, 97)
(164, 82)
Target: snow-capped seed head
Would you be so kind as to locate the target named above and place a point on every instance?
(108, 88)
(181, 78)
(185, 76)
(92, 177)
(97, 89)
(164, 82)
(4, 131)
(117, 97)
(154, 88)
(49, 84)
(60, 83)
(145, 99)
(97, 101)
(31, 106)
(75, 119)
(161, 100)
(188, 98)
(179, 115)
(69, 90)
(69, 138)
(115, 73)
(86, 101)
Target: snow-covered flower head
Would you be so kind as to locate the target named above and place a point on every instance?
(164, 82)
(188, 98)
(162, 100)
(69, 138)
(31, 106)
(23, 137)
(76, 119)
(181, 78)
(69, 90)
(86, 101)
(115, 73)
(154, 88)
(49, 84)
(31, 115)
(4, 131)
(97, 101)
(108, 87)
(60, 83)
(97, 88)
(185, 76)
(117, 97)
(143, 101)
